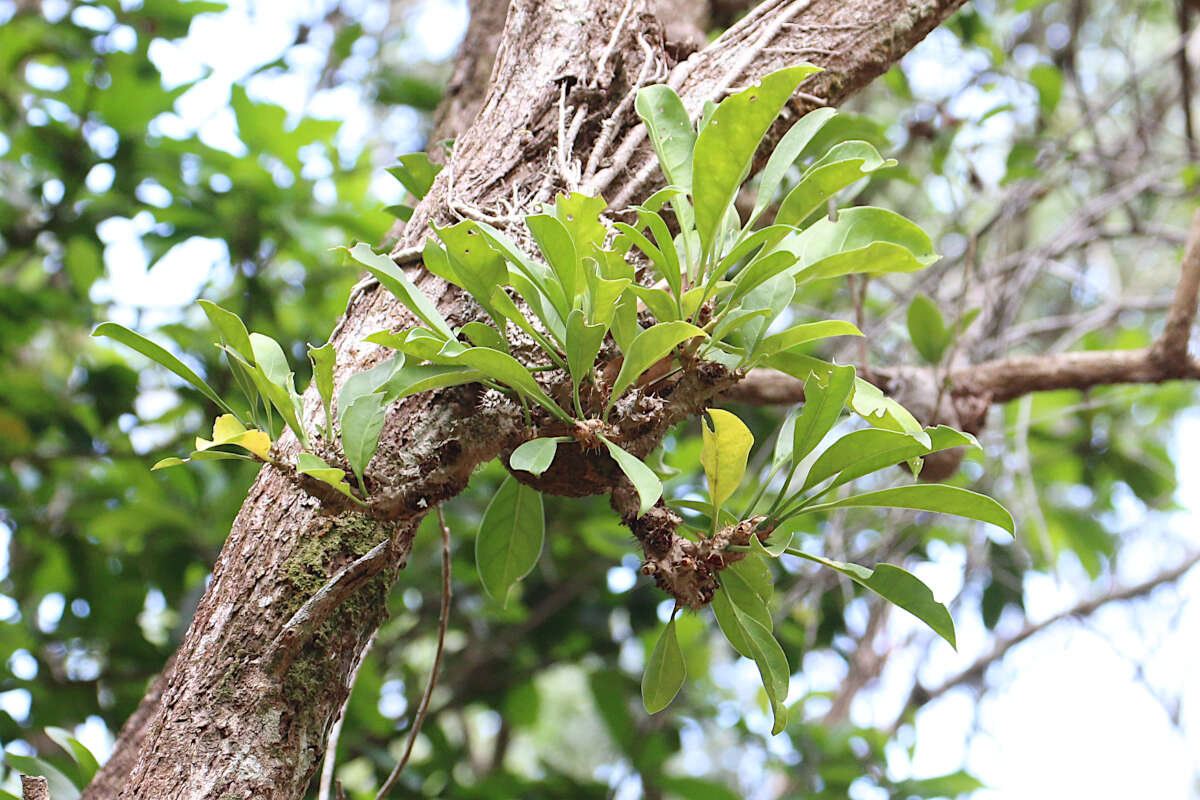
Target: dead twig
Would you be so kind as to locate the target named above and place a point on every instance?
(443, 619)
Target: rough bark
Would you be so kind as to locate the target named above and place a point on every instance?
(237, 720)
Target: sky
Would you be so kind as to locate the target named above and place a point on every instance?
(1077, 711)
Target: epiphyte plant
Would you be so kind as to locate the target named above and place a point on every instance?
(607, 328)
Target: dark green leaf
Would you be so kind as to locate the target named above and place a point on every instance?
(665, 671)
(361, 425)
(160, 356)
(395, 281)
(928, 329)
(510, 538)
(930, 497)
(900, 587)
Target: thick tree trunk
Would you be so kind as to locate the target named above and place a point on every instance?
(264, 667)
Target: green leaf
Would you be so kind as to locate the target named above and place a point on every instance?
(784, 156)
(657, 258)
(772, 297)
(823, 403)
(747, 585)
(270, 358)
(281, 395)
(771, 661)
(83, 758)
(763, 269)
(869, 402)
(361, 424)
(507, 309)
(510, 538)
(61, 787)
(928, 329)
(580, 215)
(930, 497)
(583, 344)
(1048, 80)
(897, 586)
(647, 349)
(647, 484)
(507, 370)
(862, 240)
(554, 240)
(805, 333)
(484, 335)
(538, 276)
(308, 464)
(400, 211)
(603, 296)
(665, 671)
(670, 131)
(725, 450)
(367, 381)
(160, 356)
(536, 455)
(846, 163)
(322, 362)
(416, 378)
(416, 172)
(725, 147)
(230, 327)
(862, 452)
(659, 301)
(395, 281)
(201, 455)
(784, 438)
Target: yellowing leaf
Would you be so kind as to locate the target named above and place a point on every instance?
(227, 430)
(725, 450)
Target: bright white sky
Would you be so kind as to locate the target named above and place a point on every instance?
(1069, 715)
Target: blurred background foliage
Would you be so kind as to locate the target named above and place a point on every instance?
(154, 152)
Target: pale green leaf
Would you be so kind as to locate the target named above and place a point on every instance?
(846, 163)
(670, 130)
(784, 156)
(726, 145)
(416, 172)
(647, 484)
(536, 455)
(313, 466)
(322, 362)
(928, 330)
(647, 349)
(554, 240)
(583, 344)
(230, 327)
(823, 403)
(805, 333)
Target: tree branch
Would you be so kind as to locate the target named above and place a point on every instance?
(973, 674)
(1006, 379)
